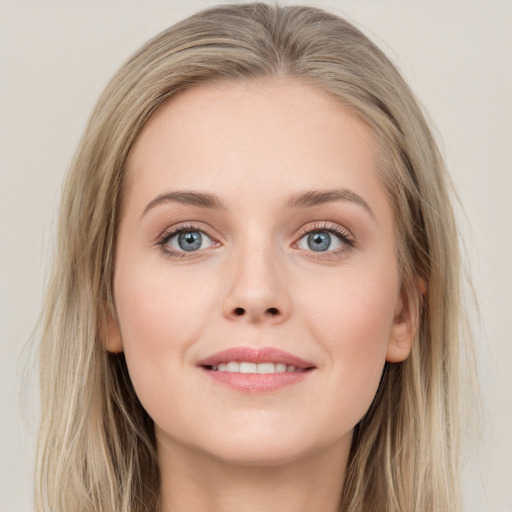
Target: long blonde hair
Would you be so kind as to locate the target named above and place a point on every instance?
(96, 450)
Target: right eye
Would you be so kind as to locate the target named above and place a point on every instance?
(185, 240)
(189, 241)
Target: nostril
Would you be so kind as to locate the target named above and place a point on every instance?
(273, 311)
(239, 311)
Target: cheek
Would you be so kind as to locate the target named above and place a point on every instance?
(353, 309)
(153, 304)
(352, 319)
(159, 321)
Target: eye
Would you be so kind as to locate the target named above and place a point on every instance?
(185, 240)
(320, 241)
(325, 239)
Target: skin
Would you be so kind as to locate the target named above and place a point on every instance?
(254, 144)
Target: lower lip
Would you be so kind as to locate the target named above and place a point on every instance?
(257, 382)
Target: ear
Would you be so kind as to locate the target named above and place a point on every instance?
(405, 323)
(112, 335)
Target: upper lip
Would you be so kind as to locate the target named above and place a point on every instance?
(255, 355)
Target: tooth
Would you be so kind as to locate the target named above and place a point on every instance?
(233, 366)
(248, 367)
(266, 368)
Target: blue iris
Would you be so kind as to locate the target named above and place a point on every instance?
(190, 240)
(319, 241)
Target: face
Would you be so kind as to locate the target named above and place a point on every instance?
(254, 220)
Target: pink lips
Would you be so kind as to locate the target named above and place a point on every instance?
(252, 355)
(253, 382)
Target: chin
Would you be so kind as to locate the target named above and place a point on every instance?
(253, 454)
(265, 446)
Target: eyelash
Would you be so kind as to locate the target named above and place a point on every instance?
(328, 227)
(182, 228)
(316, 227)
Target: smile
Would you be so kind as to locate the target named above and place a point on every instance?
(256, 383)
(254, 360)
(259, 368)
(256, 370)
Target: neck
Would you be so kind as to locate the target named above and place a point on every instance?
(194, 480)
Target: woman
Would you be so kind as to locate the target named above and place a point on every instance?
(255, 302)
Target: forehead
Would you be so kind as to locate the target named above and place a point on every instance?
(261, 136)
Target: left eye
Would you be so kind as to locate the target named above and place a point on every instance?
(321, 241)
(189, 241)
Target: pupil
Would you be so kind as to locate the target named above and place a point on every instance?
(190, 241)
(319, 241)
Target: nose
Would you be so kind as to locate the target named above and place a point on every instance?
(256, 289)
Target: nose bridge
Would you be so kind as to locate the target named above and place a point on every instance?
(256, 290)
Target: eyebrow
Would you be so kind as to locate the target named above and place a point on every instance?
(199, 199)
(307, 199)
(317, 197)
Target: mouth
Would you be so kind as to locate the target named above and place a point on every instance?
(252, 360)
(256, 370)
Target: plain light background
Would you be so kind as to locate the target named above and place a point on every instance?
(55, 58)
